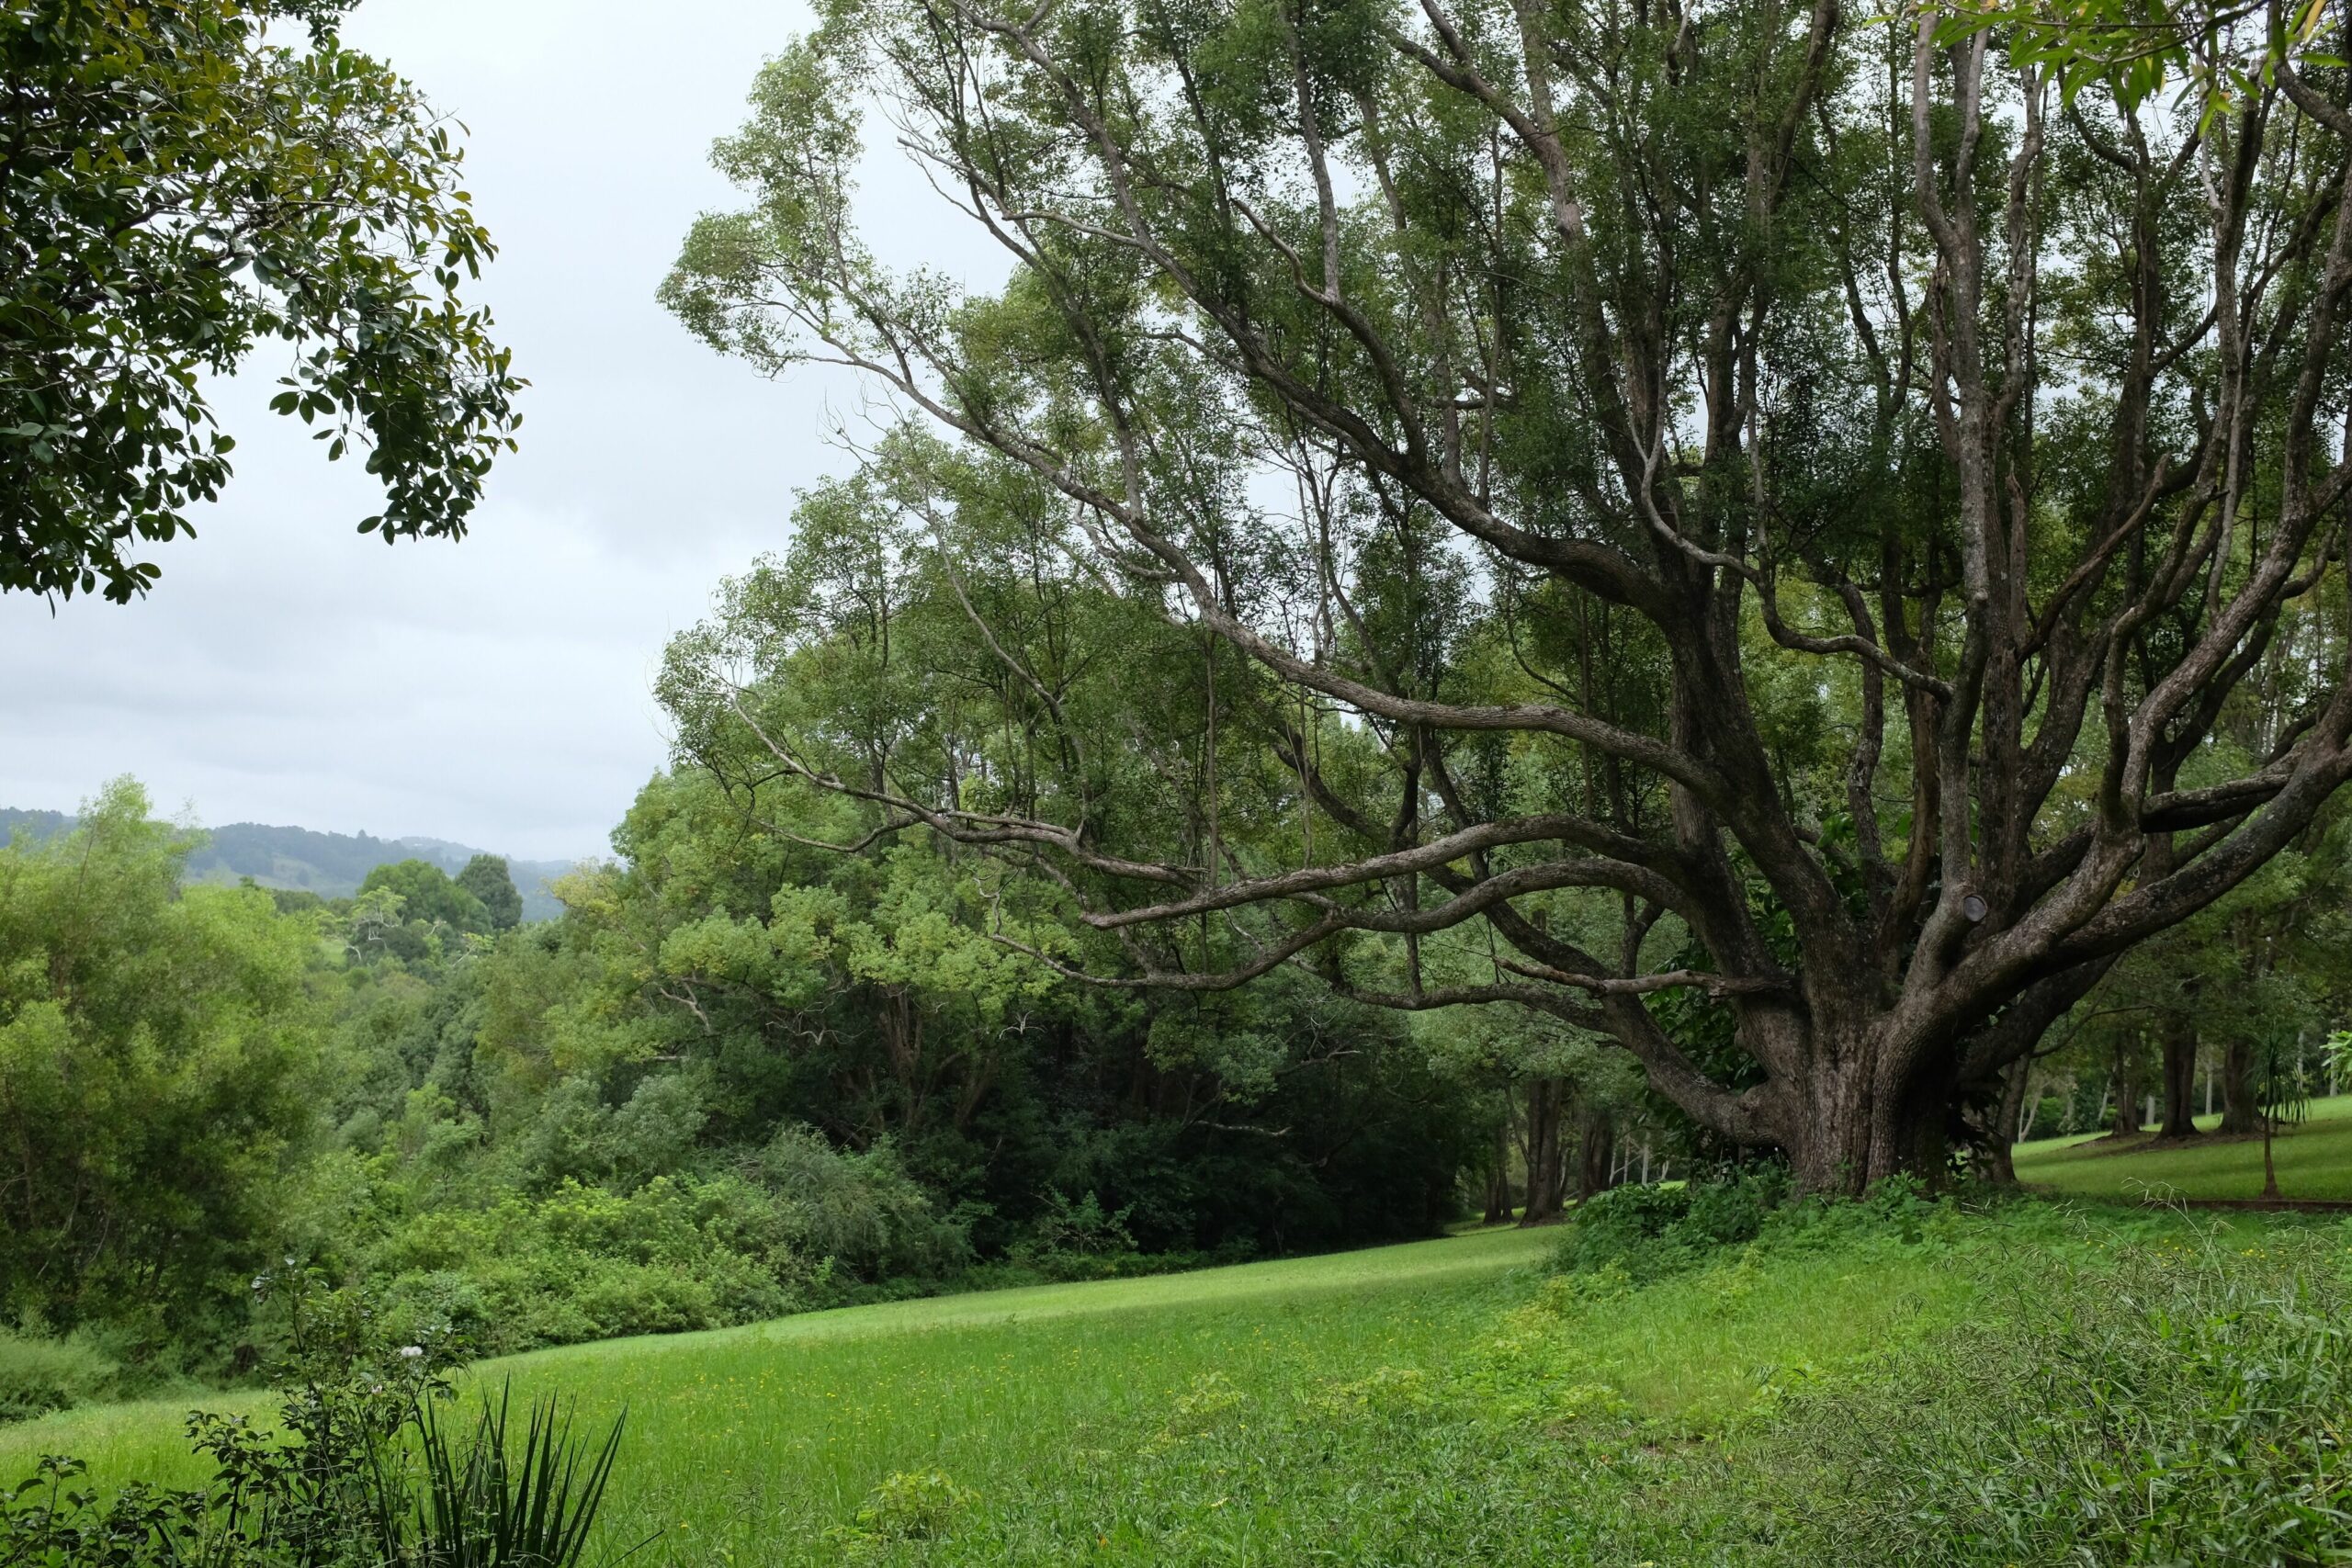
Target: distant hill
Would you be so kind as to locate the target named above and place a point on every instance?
(39, 824)
(330, 865)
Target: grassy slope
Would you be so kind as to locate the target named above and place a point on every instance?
(1397, 1406)
(2314, 1160)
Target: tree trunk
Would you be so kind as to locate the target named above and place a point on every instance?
(2180, 1076)
(1498, 1177)
(1598, 1150)
(2007, 1115)
(1856, 1133)
(2127, 1097)
(1498, 1200)
(2240, 1113)
(1546, 1098)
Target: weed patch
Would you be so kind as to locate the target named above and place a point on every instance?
(2179, 1402)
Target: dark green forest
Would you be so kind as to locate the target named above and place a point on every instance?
(738, 1077)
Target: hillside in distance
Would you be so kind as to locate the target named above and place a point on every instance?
(330, 865)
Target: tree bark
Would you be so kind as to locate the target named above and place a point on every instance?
(1546, 1100)
(2180, 1076)
(2127, 1095)
(1863, 1122)
(1999, 1168)
(1597, 1148)
(1498, 1177)
(2240, 1113)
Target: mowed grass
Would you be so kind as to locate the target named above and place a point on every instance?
(1405, 1405)
(2313, 1157)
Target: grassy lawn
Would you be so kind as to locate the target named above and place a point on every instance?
(2314, 1160)
(1432, 1403)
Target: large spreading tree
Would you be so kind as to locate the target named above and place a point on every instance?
(1737, 527)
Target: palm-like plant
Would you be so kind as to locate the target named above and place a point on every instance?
(2282, 1089)
(486, 1505)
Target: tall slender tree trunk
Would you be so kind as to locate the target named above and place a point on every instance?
(1498, 1177)
(1547, 1101)
(2180, 1076)
(2240, 1110)
(2127, 1095)
(1596, 1153)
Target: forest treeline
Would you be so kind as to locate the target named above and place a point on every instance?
(739, 1076)
(330, 865)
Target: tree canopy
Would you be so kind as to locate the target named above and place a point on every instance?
(486, 877)
(1738, 530)
(427, 893)
(180, 183)
(159, 1060)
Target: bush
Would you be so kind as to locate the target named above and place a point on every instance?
(1649, 1233)
(1076, 1240)
(912, 1506)
(588, 1263)
(38, 1375)
(792, 1226)
(862, 1210)
(2182, 1405)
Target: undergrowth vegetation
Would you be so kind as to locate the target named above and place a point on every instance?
(2165, 1390)
(357, 1465)
(38, 1374)
(2182, 1402)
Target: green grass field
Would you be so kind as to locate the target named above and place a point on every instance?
(2314, 1160)
(1401, 1406)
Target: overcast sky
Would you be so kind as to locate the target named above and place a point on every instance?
(493, 692)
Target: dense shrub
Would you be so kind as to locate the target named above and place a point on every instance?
(860, 1209)
(507, 1266)
(1648, 1233)
(40, 1374)
(588, 1263)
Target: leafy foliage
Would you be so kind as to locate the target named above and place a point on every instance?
(739, 1079)
(181, 186)
(159, 1067)
(1648, 1233)
(487, 878)
(40, 1374)
(429, 893)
